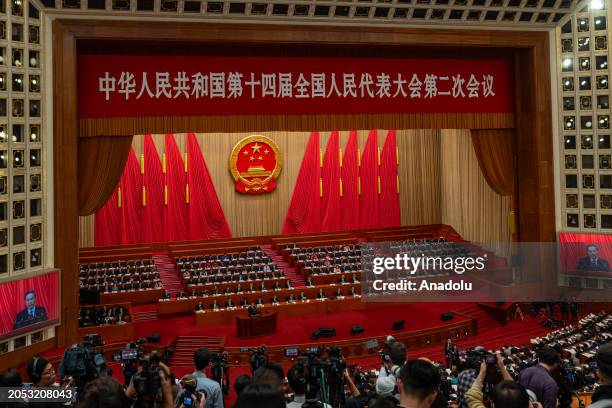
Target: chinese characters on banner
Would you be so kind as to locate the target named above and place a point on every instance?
(143, 85)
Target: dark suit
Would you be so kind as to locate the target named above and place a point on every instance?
(585, 264)
(24, 318)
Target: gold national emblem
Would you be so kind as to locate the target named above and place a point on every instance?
(255, 163)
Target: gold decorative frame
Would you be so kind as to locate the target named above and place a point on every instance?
(233, 159)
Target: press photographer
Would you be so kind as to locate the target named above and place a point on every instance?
(151, 385)
(259, 357)
(393, 356)
(211, 388)
(189, 396)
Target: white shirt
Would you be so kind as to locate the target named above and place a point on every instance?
(299, 400)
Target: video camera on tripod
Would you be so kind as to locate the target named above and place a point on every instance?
(220, 370)
(259, 357)
(128, 357)
(323, 373)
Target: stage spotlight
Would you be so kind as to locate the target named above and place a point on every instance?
(597, 4)
(567, 62)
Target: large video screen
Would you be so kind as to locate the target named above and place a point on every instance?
(29, 304)
(586, 252)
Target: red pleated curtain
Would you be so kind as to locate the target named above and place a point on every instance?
(206, 217)
(350, 188)
(154, 209)
(177, 223)
(304, 214)
(368, 175)
(330, 175)
(131, 207)
(496, 157)
(154, 202)
(389, 205)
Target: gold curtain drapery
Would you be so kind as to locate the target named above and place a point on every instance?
(101, 161)
(496, 157)
(468, 202)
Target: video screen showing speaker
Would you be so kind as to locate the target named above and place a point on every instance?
(29, 304)
(585, 253)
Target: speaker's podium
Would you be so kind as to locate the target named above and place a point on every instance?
(255, 326)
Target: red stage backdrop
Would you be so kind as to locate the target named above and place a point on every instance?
(12, 301)
(363, 198)
(573, 247)
(145, 85)
(160, 200)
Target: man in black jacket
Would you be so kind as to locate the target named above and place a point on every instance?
(592, 262)
(602, 397)
(31, 314)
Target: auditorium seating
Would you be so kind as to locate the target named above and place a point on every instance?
(188, 304)
(252, 264)
(104, 315)
(119, 276)
(579, 342)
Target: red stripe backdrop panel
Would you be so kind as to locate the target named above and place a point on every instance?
(303, 214)
(154, 210)
(107, 223)
(131, 205)
(350, 191)
(368, 172)
(177, 213)
(206, 217)
(330, 202)
(389, 206)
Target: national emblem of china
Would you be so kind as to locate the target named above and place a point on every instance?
(255, 163)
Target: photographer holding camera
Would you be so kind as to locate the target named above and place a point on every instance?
(212, 389)
(506, 394)
(393, 357)
(189, 396)
(152, 385)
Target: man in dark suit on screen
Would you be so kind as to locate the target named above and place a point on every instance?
(593, 262)
(31, 314)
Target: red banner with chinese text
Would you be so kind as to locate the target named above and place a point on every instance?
(145, 85)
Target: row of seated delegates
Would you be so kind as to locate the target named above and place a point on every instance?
(331, 253)
(275, 301)
(114, 287)
(342, 280)
(235, 258)
(208, 278)
(579, 343)
(103, 315)
(251, 288)
(438, 247)
(119, 276)
(249, 265)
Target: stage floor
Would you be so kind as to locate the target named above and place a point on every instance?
(295, 330)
